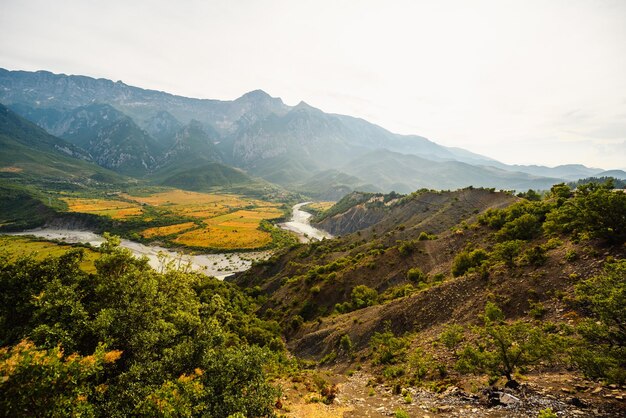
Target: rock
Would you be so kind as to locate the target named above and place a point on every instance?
(507, 399)
(567, 390)
(512, 384)
(444, 408)
(577, 402)
(451, 391)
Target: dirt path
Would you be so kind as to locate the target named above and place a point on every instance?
(359, 397)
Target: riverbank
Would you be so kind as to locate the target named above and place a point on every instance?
(220, 265)
(300, 224)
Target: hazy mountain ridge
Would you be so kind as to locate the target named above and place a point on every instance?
(291, 146)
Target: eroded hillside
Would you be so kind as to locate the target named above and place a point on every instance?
(412, 272)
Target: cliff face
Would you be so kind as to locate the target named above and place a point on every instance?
(354, 219)
(413, 212)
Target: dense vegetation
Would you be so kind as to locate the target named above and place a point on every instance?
(127, 340)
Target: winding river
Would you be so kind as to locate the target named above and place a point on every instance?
(301, 225)
(220, 265)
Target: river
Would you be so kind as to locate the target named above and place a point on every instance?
(219, 265)
(300, 223)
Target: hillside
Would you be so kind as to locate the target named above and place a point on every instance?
(29, 152)
(409, 269)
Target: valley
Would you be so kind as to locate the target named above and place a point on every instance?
(250, 257)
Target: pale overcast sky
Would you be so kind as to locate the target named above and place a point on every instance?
(529, 82)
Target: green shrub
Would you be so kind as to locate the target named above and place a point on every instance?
(466, 260)
(416, 275)
(407, 247)
(507, 252)
(571, 255)
(501, 348)
(425, 236)
(452, 336)
(346, 343)
(387, 348)
(537, 310)
(535, 256)
(363, 296)
(603, 297)
(547, 413)
(401, 414)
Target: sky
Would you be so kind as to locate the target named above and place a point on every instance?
(525, 82)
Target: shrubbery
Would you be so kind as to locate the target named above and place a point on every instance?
(184, 341)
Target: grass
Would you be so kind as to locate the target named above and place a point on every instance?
(17, 246)
(320, 206)
(115, 209)
(163, 231)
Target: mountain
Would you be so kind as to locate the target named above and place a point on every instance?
(567, 171)
(192, 146)
(29, 151)
(405, 173)
(112, 138)
(206, 177)
(163, 127)
(43, 89)
(294, 146)
(618, 174)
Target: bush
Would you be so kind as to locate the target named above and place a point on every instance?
(507, 252)
(170, 328)
(466, 260)
(387, 348)
(363, 296)
(547, 413)
(595, 210)
(416, 275)
(603, 298)
(502, 348)
(535, 256)
(346, 343)
(407, 247)
(452, 336)
(425, 236)
(401, 414)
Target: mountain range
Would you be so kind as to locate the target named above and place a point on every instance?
(200, 143)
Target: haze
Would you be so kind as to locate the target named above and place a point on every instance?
(525, 82)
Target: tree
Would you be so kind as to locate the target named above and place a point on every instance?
(501, 348)
(603, 298)
(40, 382)
(166, 324)
(507, 252)
(466, 260)
(363, 296)
(594, 209)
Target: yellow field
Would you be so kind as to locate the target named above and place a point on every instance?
(238, 229)
(163, 231)
(225, 237)
(21, 246)
(115, 209)
(229, 221)
(321, 205)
